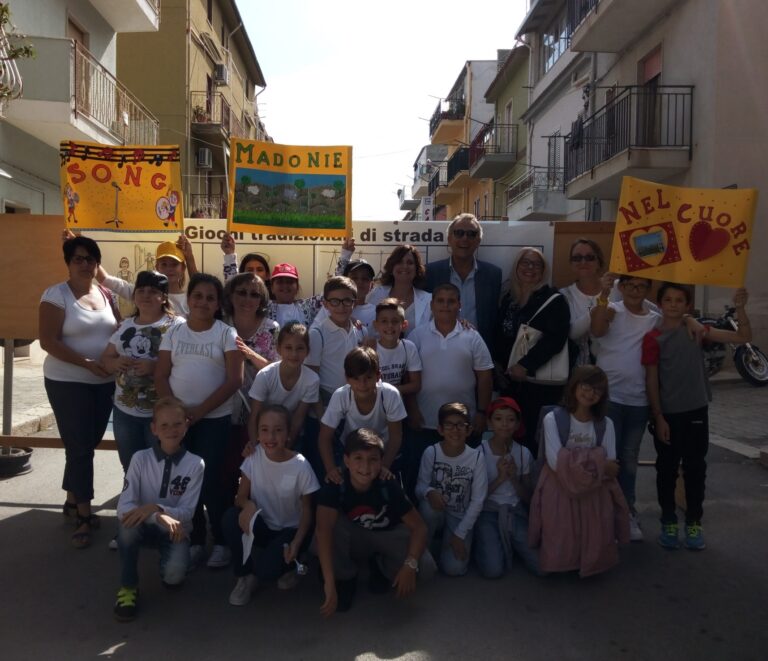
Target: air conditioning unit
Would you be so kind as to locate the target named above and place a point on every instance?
(204, 158)
(221, 74)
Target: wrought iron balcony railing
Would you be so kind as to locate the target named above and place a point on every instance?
(536, 178)
(455, 109)
(458, 161)
(638, 117)
(207, 206)
(493, 139)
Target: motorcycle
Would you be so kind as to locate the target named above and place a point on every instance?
(750, 362)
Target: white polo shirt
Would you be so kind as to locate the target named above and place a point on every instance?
(329, 345)
(448, 365)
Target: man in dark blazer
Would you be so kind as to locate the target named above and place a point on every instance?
(479, 282)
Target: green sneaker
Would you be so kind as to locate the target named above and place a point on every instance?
(125, 605)
(669, 536)
(694, 537)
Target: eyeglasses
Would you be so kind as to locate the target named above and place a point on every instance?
(453, 426)
(530, 264)
(470, 234)
(246, 292)
(584, 258)
(635, 286)
(592, 390)
(84, 259)
(336, 302)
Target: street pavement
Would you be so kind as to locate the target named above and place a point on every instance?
(56, 602)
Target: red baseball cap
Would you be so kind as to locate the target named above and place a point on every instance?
(508, 403)
(285, 271)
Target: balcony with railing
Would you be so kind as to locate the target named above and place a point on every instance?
(212, 114)
(207, 206)
(537, 194)
(406, 203)
(69, 95)
(607, 26)
(439, 177)
(447, 122)
(493, 151)
(643, 132)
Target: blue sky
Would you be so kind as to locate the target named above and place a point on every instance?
(369, 75)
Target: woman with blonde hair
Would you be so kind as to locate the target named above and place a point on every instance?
(532, 301)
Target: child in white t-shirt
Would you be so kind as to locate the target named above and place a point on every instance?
(275, 487)
(365, 402)
(399, 359)
(502, 527)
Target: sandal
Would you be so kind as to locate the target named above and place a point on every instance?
(69, 510)
(81, 539)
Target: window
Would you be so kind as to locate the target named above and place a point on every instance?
(554, 42)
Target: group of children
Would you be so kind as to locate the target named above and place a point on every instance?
(373, 447)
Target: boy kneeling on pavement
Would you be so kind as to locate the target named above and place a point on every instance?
(366, 517)
(161, 490)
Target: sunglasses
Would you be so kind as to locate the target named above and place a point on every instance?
(450, 426)
(84, 259)
(336, 302)
(470, 234)
(529, 264)
(245, 292)
(584, 258)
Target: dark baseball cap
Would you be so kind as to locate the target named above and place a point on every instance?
(152, 279)
(357, 264)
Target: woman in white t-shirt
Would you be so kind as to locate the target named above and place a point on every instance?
(274, 505)
(200, 364)
(131, 356)
(77, 319)
(587, 265)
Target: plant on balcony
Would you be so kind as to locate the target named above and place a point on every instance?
(8, 53)
(200, 115)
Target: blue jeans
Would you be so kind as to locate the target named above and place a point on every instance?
(489, 551)
(174, 556)
(207, 438)
(447, 522)
(629, 422)
(132, 433)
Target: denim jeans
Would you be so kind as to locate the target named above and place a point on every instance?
(208, 438)
(629, 422)
(489, 551)
(437, 520)
(174, 556)
(82, 413)
(266, 561)
(132, 433)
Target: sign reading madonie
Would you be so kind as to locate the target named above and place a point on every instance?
(303, 191)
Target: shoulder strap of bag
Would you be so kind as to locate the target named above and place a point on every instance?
(563, 421)
(545, 304)
(600, 431)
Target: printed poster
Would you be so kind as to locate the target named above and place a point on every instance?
(131, 188)
(687, 235)
(286, 189)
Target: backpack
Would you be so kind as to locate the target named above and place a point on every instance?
(563, 422)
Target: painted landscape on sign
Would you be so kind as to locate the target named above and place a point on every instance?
(282, 199)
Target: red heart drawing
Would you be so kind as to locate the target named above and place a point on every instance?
(706, 242)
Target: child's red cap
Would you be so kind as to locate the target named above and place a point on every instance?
(508, 403)
(285, 271)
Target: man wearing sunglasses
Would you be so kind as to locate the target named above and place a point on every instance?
(479, 282)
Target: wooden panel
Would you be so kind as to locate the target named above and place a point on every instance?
(30, 261)
(565, 234)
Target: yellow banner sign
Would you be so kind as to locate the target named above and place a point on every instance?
(685, 235)
(284, 189)
(133, 188)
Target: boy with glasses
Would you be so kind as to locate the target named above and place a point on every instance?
(479, 283)
(452, 487)
(333, 338)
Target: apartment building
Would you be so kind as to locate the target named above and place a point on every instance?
(455, 123)
(70, 90)
(665, 90)
(200, 76)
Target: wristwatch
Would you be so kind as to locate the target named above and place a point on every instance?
(412, 563)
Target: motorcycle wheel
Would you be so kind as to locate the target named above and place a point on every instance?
(751, 365)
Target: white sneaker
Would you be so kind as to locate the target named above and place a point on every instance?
(635, 531)
(196, 555)
(241, 594)
(220, 557)
(288, 581)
